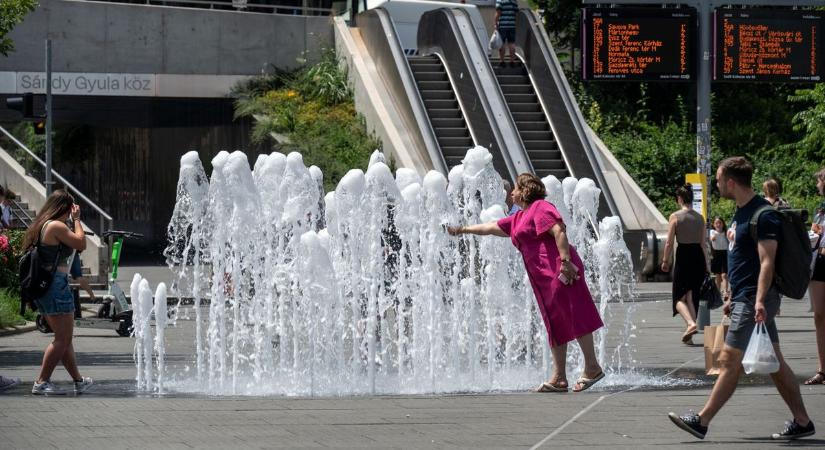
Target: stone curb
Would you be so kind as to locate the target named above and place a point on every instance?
(29, 326)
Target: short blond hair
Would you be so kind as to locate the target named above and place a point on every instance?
(771, 188)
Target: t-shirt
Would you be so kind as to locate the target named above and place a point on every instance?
(721, 241)
(508, 9)
(743, 258)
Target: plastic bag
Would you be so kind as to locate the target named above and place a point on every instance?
(759, 356)
(495, 41)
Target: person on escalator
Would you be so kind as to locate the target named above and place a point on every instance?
(506, 26)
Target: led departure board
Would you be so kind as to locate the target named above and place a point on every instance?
(638, 44)
(768, 45)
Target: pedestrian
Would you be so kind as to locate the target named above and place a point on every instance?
(506, 11)
(56, 244)
(555, 272)
(719, 256)
(816, 289)
(771, 189)
(686, 228)
(6, 197)
(755, 300)
(76, 272)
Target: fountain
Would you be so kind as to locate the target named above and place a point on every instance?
(361, 290)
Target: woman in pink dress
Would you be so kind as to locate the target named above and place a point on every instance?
(555, 270)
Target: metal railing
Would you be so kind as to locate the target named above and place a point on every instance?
(103, 217)
(238, 5)
(20, 214)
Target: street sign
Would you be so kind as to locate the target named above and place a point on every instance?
(653, 44)
(768, 45)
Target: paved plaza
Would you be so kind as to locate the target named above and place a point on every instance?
(114, 416)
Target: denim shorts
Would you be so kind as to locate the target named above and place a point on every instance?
(58, 299)
(742, 322)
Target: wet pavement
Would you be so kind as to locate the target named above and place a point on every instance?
(114, 415)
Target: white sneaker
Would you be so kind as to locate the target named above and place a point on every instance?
(83, 385)
(46, 388)
(6, 382)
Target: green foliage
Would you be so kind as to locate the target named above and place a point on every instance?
(10, 309)
(11, 242)
(314, 109)
(12, 12)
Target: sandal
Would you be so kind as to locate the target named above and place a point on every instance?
(586, 383)
(819, 378)
(553, 387)
(688, 336)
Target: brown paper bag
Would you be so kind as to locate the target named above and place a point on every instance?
(714, 341)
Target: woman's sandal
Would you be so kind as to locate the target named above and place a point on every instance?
(819, 378)
(553, 387)
(586, 383)
(686, 338)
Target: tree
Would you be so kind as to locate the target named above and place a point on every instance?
(12, 12)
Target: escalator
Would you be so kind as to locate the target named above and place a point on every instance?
(442, 107)
(530, 120)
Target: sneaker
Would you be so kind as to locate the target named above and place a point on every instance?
(6, 382)
(83, 385)
(689, 422)
(794, 430)
(46, 388)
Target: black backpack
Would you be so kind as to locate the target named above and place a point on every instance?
(792, 271)
(34, 279)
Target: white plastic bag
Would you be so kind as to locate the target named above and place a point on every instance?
(495, 41)
(759, 356)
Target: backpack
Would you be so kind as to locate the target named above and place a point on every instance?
(792, 271)
(34, 280)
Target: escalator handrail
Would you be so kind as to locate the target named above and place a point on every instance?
(530, 37)
(384, 47)
(445, 31)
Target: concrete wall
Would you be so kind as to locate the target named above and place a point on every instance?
(122, 38)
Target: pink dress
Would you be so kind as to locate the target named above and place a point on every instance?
(567, 310)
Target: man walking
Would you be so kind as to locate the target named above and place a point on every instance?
(755, 300)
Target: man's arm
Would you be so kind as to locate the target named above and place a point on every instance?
(767, 262)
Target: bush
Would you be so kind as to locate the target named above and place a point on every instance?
(11, 243)
(10, 309)
(313, 107)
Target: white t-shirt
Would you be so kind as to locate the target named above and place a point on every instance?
(721, 242)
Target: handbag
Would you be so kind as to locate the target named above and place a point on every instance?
(709, 293)
(714, 336)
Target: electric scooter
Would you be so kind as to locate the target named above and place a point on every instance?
(114, 313)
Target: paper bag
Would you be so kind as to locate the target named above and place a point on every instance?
(714, 342)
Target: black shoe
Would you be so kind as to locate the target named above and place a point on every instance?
(794, 430)
(690, 423)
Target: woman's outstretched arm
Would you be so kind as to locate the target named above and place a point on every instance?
(481, 229)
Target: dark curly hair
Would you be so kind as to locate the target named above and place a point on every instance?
(685, 192)
(531, 188)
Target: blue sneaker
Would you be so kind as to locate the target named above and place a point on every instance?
(793, 430)
(689, 422)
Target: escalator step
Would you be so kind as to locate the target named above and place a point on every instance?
(507, 70)
(417, 68)
(455, 142)
(545, 154)
(536, 135)
(461, 132)
(434, 86)
(558, 173)
(516, 89)
(446, 123)
(527, 116)
(548, 164)
(437, 95)
(422, 59)
(539, 145)
(524, 107)
(441, 104)
(444, 114)
(431, 76)
(539, 125)
(521, 98)
(513, 79)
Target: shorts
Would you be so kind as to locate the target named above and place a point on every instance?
(58, 299)
(819, 269)
(742, 323)
(507, 35)
(719, 263)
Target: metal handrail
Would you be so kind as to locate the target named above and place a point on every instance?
(238, 5)
(76, 192)
(27, 220)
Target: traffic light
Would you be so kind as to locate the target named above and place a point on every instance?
(39, 126)
(24, 104)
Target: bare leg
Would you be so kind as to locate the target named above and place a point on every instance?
(817, 292)
(730, 361)
(70, 363)
(591, 363)
(63, 326)
(512, 52)
(501, 52)
(685, 309)
(786, 384)
(559, 375)
(725, 283)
